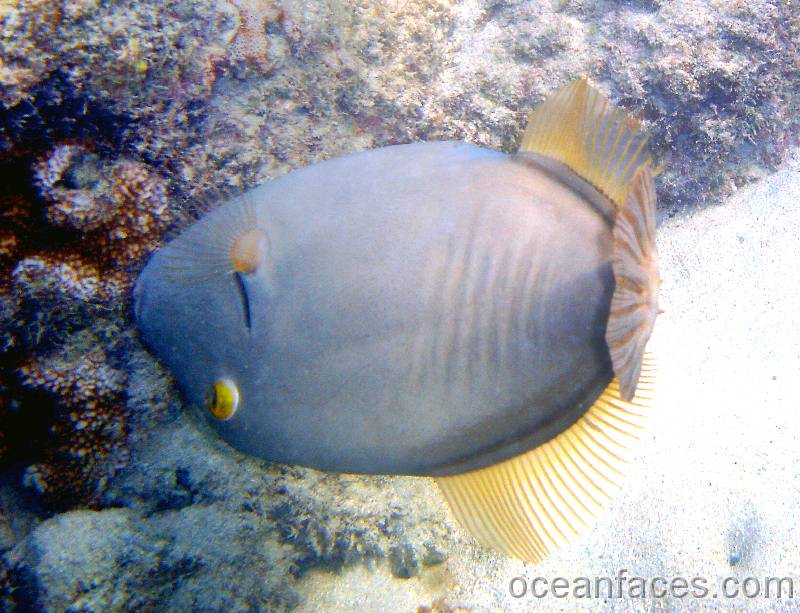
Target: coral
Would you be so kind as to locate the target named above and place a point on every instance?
(6, 599)
(77, 220)
(336, 76)
(138, 213)
(716, 93)
(354, 75)
(67, 275)
(65, 177)
(99, 545)
(250, 42)
(4, 415)
(119, 207)
(81, 384)
(103, 100)
(15, 222)
(90, 429)
(22, 66)
(215, 530)
(105, 215)
(71, 255)
(109, 73)
(154, 45)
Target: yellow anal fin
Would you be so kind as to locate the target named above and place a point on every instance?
(530, 505)
(634, 304)
(580, 128)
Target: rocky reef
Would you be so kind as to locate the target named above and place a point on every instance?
(120, 122)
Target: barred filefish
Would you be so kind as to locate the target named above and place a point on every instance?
(433, 309)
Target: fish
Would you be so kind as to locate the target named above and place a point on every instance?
(435, 309)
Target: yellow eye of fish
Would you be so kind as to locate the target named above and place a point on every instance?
(222, 399)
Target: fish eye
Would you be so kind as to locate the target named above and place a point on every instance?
(222, 399)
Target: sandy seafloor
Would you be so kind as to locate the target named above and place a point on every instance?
(715, 494)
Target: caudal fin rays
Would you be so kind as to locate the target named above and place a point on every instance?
(634, 304)
(580, 128)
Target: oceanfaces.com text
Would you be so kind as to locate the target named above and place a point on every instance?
(626, 585)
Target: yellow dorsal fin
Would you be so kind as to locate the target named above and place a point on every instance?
(531, 504)
(580, 128)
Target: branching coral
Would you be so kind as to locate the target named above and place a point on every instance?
(119, 208)
(90, 428)
(97, 88)
(70, 250)
(4, 416)
(139, 213)
(22, 66)
(69, 276)
(66, 177)
(14, 225)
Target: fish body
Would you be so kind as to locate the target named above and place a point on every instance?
(432, 309)
(426, 308)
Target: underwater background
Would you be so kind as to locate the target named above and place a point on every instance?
(121, 122)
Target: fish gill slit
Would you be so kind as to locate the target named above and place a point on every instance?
(245, 301)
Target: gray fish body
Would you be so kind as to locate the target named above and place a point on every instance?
(425, 309)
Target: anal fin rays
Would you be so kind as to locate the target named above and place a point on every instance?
(532, 504)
